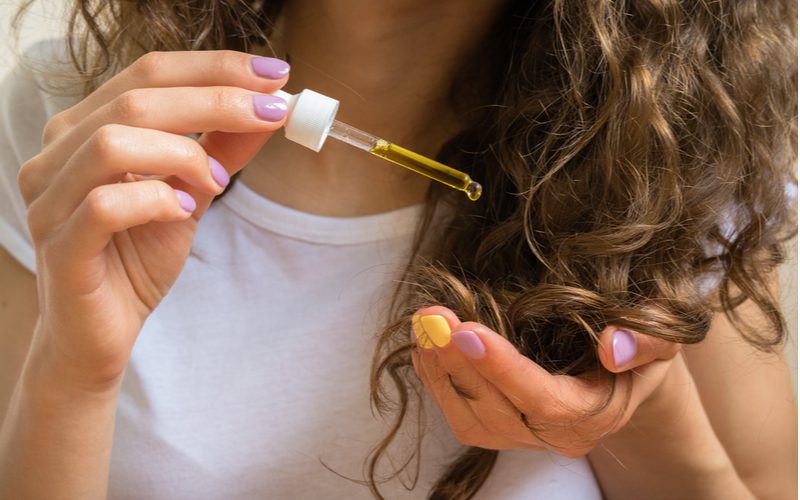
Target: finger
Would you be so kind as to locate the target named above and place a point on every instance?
(114, 150)
(432, 326)
(462, 420)
(175, 110)
(179, 69)
(499, 362)
(522, 381)
(493, 409)
(604, 412)
(233, 151)
(645, 380)
(111, 208)
(621, 349)
(565, 413)
(498, 416)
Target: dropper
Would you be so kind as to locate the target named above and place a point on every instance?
(312, 119)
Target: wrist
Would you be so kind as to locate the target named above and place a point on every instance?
(59, 428)
(49, 373)
(668, 449)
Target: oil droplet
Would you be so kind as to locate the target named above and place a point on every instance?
(473, 190)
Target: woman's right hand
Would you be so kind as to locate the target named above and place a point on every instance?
(115, 196)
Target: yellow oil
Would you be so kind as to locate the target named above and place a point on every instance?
(427, 167)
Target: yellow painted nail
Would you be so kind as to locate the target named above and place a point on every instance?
(419, 331)
(437, 329)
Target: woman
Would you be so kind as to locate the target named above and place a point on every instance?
(634, 160)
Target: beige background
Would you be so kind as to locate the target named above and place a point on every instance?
(45, 21)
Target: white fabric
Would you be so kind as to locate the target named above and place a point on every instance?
(255, 367)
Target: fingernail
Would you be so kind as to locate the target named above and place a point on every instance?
(270, 67)
(270, 107)
(469, 344)
(218, 172)
(186, 201)
(431, 330)
(419, 333)
(624, 346)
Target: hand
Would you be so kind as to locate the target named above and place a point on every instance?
(115, 196)
(494, 397)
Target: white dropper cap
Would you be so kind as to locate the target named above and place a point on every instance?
(311, 115)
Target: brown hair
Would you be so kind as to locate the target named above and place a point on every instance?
(633, 155)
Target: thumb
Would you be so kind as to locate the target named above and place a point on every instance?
(621, 349)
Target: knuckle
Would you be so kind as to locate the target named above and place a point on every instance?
(189, 152)
(100, 205)
(54, 127)
(107, 140)
(30, 178)
(37, 221)
(223, 100)
(130, 106)
(227, 62)
(162, 194)
(149, 65)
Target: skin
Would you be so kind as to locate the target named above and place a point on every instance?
(505, 384)
(747, 398)
(678, 436)
(108, 252)
(359, 54)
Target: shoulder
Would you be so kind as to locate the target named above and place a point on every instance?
(749, 399)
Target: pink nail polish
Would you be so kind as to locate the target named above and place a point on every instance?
(218, 172)
(624, 347)
(469, 344)
(186, 201)
(269, 67)
(270, 107)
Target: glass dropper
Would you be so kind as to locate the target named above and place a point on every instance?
(405, 158)
(312, 118)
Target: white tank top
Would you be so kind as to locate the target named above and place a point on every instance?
(254, 370)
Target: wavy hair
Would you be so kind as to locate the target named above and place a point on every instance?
(638, 167)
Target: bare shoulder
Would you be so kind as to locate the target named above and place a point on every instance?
(749, 399)
(726, 356)
(18, 312)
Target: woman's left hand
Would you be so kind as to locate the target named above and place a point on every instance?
(494, 397)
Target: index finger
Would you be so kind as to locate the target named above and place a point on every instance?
(531, 388)
(207, 68)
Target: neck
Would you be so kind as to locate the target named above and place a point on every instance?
(391, 65)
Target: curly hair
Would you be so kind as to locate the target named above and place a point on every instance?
(637, 161)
